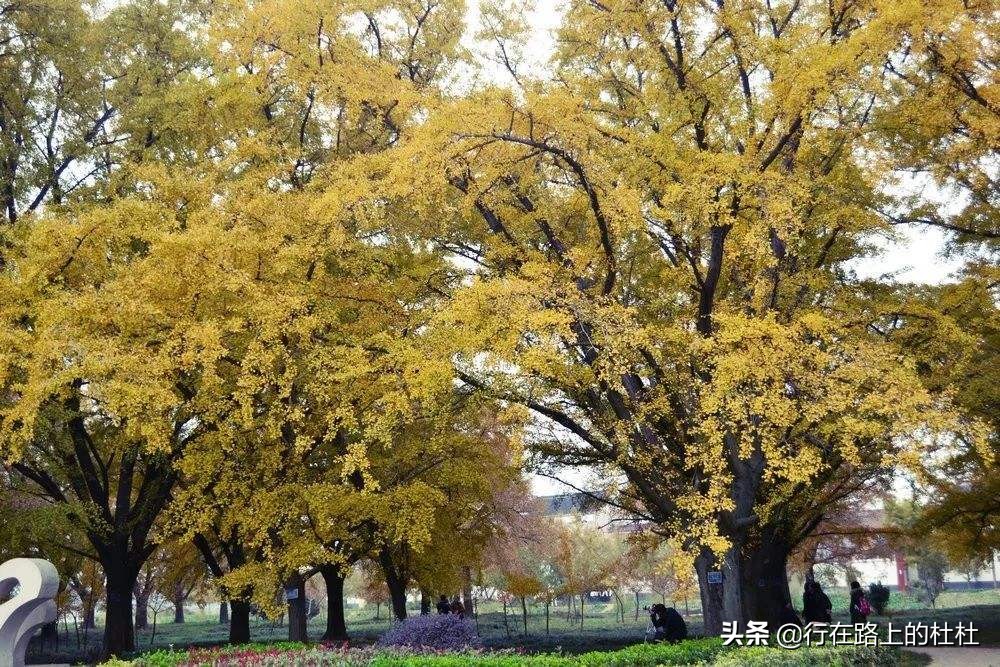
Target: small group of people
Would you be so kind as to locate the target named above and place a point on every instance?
(667, 624)
(453, 607)
(817, 608)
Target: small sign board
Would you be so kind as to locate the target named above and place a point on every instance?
(715, 577)
(291, 593)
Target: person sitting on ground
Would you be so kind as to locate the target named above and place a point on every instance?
(860, 608)
(442, 605)
(816, 606)
(457, 607)
(667, 623)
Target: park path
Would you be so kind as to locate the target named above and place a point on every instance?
(962, 657)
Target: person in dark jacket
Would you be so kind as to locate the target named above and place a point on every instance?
(859, 604)
(668, 623)
(442, 605)
(816, 606)
(457, 607)
(676, 629)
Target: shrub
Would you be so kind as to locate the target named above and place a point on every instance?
(688, 652)
(695, 651)
(931, 567)
(878, 596)
(443, 632)
(114, 661)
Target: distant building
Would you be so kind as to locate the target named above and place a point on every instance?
(570, 506)
(890, 567)
(898, 574)
(590, 509)
(893, 571)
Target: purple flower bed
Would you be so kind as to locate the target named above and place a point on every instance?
(446, 632)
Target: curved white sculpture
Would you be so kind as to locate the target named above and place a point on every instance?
(33, 606)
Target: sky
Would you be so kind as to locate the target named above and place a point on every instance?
(914, 256)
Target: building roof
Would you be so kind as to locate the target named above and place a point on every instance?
(571, 503)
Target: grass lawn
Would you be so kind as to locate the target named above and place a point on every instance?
(601, 629)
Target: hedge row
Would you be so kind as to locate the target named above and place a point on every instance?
(705, 652)
(695, 651)
(839, 656)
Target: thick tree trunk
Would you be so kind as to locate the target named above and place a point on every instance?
(755, 584)
(178, 603)
(398, 594)
(425, 602)
(119, 633)
(297, 619)
(178, 611)
(396, 584)
(467, 601)
(237, 612)
(711, 594)
(336, 623)
(239, 622)
(89, 609)
(142, 610)
(810, 559)
(734, 587)
(765, 581)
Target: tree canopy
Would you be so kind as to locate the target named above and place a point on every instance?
(300, 281)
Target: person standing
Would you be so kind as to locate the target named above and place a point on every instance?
(457, 607)
(442, 605)
(860, 608)
(816, 606)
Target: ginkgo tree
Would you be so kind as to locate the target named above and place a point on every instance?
(658, 241)
(956, 330)
(157, 305)
(88, 93)
(85, 91)
(270, 255)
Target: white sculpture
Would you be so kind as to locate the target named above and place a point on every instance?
(33, 606)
